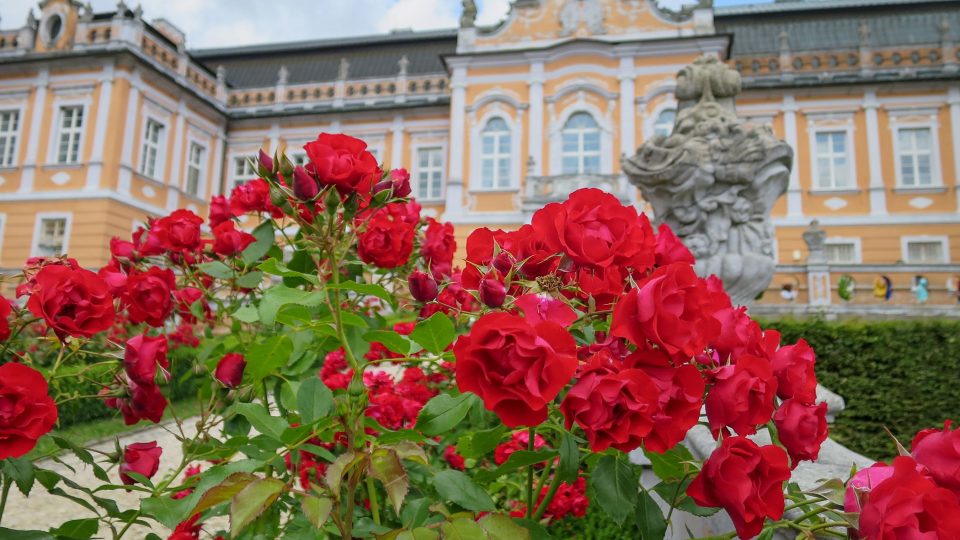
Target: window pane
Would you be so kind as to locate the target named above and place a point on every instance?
(570, 165)
(505, 144)
(822, 143)
(923, 138)
(839, 143)
(591, 164)
(571, 143)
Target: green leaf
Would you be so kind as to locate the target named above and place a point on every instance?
(265, 238)
(252, 500)
(462, 529)
(420, 533)
(391, 340)
(385, 466)
(276, 268)
(477, 444)
(434, 334)
(675, 494)
(443, 412)
(250, 280)
(247, 314)
(670, 465)
(267, 357)
(20, 470)
(271, 426)
(415, 513)
(536, 530)
(517, 460)
(338, 468)
(501, 527)
(457, 487)
(10, 534)
(615, 486)
(317, 509)
(364, 289)
(314, 400)
(77, 529)
(224, 491)
(216, 269)
(569, 459)
(278, 296)
(650, 519)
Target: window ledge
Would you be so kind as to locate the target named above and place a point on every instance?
(433, 200)
(495, 190)
(149, 179)
(9, 168)
(63, 166)
(827, 191)
(920, 189)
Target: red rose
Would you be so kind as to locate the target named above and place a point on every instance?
(537, 307)
(140, 458)
(422, 286)
(5, 310)
(253, 196)
(739, 335)
(179, 232)
(219, 210)
(439, 246)
(492, 292)
(673, 309)
(742, 396)
(515, 366)
(939, 452)
(614, 406)
(228, 241)
(72, 301)
(793, 366)
(604, 285)
(539, 256)
(185, 298)
(305, 187)
(122, 249)
(139, 402)
(230, 370)
(342, 161)
(744, 479)
(149, 296)
(387, 239)
(454, 459)
(680, 398)
(142, 356)
(187, 530)
(34, 265)
(909, 504)
(862, 483)
(398, 181)
(481, 244)
(670, 249)
(114, 276)
(519, 440)
(27, 411)
(801, 428)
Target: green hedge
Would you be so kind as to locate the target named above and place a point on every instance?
(903, 375)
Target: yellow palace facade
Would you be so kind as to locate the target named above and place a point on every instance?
(107, 119)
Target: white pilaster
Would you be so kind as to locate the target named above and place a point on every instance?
(627, 118)
(454, 195)
(535, 131)
(878, 194)
(274, 138)
(794, 190)
(396, 150)
(95, 166)
(129, 137)
(173, 194)
(217, 177)
(36, 121)
(953, 98)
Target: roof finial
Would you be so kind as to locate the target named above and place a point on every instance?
(864, 32)
(944, 30)
(344, 72)
(784, 39)
(282, 75)
(221, 74)
(31, 19)
(404, 62)
(469, 17)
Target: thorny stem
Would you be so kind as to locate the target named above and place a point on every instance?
(554, 486)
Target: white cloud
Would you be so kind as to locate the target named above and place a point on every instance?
(419, 15)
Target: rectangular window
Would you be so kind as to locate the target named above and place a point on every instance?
(925, 252)
(9, 125)
(832, 160)
(244, 169)
(195, 158)
(152, 143)
(915, 146)
(70, 129)
(429, 173)
(52, 234)
(841, 253)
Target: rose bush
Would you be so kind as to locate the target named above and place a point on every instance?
(355, 382)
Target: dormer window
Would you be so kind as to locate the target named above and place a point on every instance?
(52, 28)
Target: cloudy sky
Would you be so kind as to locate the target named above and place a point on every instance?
(219, 23)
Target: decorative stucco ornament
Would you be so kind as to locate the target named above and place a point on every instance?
(714, 180)
(586, 12)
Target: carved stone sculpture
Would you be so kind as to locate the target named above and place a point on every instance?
(714, 180)
(468, 18)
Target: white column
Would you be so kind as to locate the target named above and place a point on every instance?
(535, 123)
(794, 190)
(217, 176)
(129, 137)
(173, 194)
(274, 138)
(95, 166)
(396, 150)
(878, 194)
(953, 98)
(627, 118)
(454, 196)
(36, 121)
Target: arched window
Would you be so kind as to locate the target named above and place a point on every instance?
(664, 124)
(581, 145)
(495, 154)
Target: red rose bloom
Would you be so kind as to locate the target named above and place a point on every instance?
(594, 229)
(228, 241)
(114, 276)
(742, 396)
(801, 428)
(536, 308)
(179, 232)
(909, 504)
(454, 459)
(230, 370)
(673, 309)
(439, 246)
(680, 398)
(744, 479)
(72, 301)
(739, 335)
(516, 367)
(142, 356)
(793, 366)
(939, 452)
(121, 249)
(219, 210)
(670, 249)
(422, 286)
(492, 292)
(140, 458)
(305, 187)
(342, 161)
(614, 406)
(187, 530)
(481, 244)
(5, 310)
(27, 411)
(387, 240)
(139, 402)
(149, 296)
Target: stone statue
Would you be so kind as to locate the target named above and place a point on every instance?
(403, 64)
(714, 180)
(469, 16)
(815, 238)
(343, 73)
(283, 75)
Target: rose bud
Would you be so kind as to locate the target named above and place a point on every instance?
(266, 162)
(422, 286)
(492, 292)
(401, 182)
(140, 458)
(503, 262)
(305, 187)
(230, 370)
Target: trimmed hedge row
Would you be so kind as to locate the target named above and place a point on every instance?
(903, 375)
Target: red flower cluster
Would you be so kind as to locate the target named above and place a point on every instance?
(27, 411)
(569, 500)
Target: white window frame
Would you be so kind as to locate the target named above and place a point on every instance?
(476, 154)
(841, 240)
(38, 230)
(232, 171)
(913, 119)
(57, 131)
(3, 228)
(657, 123)
(581, 154)
(850, 157)
(606, 137)
(415, 149)
(201, 168)
(12, 137)
(905, 242)
(160, 148)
